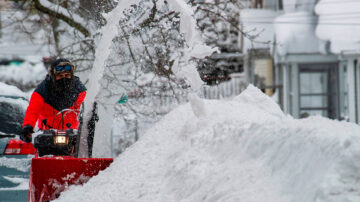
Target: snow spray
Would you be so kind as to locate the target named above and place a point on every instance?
(196, 48)
(102, 52)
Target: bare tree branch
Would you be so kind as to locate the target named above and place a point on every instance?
(64, 18)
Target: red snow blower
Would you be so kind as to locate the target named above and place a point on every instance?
(55, 166)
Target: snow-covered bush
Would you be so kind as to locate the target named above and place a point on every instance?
(220, 27)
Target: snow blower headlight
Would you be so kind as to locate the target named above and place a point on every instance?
(61, 139)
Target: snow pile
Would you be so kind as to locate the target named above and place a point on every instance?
(22, 164)
(295, 33)
(245, 149)
(22, 183)
(339, 24)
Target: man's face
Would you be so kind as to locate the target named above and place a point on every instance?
(62, 75)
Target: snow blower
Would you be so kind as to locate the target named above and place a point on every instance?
(55, 165)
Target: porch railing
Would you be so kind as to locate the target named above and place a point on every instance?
(226, 89)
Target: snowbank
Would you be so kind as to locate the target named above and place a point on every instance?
(22, 164)
(339, 24)
(245, 149)
(22, 183)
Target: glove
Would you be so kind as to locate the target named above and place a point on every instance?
(25, 134)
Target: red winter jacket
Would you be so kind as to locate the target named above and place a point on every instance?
(46, 103)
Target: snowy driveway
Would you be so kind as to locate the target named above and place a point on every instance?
(14, 176)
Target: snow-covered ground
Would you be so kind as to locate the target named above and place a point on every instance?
(20, 164)
(245, 149)
(23, 183)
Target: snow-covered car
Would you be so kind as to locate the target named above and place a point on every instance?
(14, 169)
(13, 104)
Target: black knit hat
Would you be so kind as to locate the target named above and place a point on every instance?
(55, 63)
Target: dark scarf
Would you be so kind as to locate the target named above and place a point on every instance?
(62, 95)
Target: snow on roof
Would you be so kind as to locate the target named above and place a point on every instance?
(295, 33)
(244, 149)
(258, 23)
(339, 23)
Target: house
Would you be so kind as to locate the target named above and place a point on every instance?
(339, 26)
(307, 52)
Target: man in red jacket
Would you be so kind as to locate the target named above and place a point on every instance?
(56, 101)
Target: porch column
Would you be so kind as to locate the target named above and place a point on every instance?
(247, 69)
(357, 88)
(286, 88)
(352, 86)
(295, 95)
(342, 91)
(278, 83)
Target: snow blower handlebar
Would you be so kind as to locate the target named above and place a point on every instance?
(63, 115)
